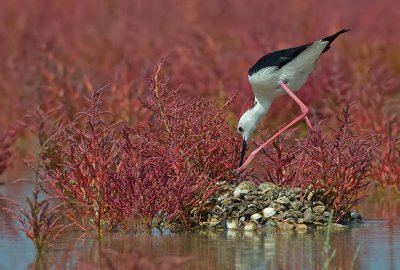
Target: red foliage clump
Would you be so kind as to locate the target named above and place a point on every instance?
(6, 142)
(41, 222)
(173, 164)
(337, 167)
(89, 152)
(387, 166)
(165, 168)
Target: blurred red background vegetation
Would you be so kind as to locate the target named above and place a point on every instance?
(55, 53)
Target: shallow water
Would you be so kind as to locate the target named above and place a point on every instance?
(378, 242)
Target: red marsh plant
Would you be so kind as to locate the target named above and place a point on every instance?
(375, 87)
(279, 160)
(90, 153)
(173, 164)
(41, 221)
(387, 167)
(6, 141)
(338, 164)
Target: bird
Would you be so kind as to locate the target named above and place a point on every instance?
(274, 75)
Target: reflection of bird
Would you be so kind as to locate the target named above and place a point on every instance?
(274, 75)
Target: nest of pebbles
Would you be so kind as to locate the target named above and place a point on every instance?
(250, 207)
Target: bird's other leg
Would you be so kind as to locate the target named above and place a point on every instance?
(304, 110)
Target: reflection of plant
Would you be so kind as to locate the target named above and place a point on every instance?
(328, 252)
(134, 260)
(41, 222)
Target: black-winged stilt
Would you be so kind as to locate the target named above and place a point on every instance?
(273, 75)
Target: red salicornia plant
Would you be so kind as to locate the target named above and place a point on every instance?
(172, 164)
(6, 142)
(90, 152)
(41, 221)
(387, 166)
(337, 165)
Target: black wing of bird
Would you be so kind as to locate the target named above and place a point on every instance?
(280, 58)
(277, 59)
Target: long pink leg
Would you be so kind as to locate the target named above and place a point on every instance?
(304, 110)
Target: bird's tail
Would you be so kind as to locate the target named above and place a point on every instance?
(331, 38)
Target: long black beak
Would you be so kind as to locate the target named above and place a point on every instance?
(244, 147)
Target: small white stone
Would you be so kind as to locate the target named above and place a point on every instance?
(268, 212)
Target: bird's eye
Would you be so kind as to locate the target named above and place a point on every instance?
(240, 129)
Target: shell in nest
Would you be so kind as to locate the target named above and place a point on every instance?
(246, 185)
(238, 192)
(232, 223)
(256, 216)
(265, 187)
(250, 226)
(243, 188)
(268, 212)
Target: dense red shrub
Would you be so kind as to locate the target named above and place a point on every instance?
(164, 168)
(172, 165)
(337, 165)
(90, 152)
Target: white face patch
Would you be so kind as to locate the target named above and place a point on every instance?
(250, 119)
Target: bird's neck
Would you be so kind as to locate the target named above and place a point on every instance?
(261, 107)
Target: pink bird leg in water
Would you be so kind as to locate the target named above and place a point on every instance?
(304, 110)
